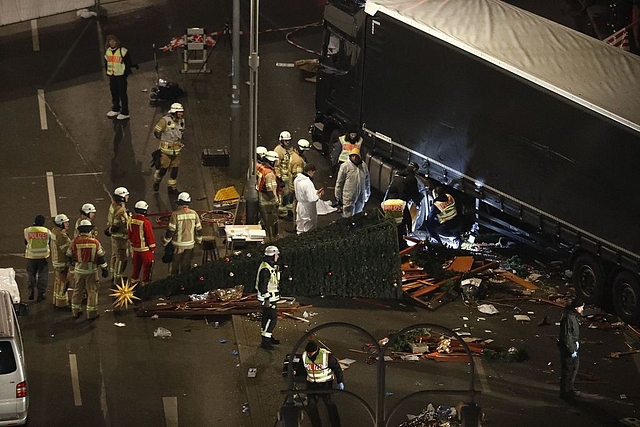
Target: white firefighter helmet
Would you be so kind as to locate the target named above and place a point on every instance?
(285, 135)
(261, 151)
(85, 226)
(176, 107)
(303, 144)
(184, 198)
(87, 208)
(60, 219)
(271, 156)
(141, 206)
(271, 251)
(121, 192)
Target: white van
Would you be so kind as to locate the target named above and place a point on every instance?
(14, 400)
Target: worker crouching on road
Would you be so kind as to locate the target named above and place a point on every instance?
(117, 225)
(169, 130)
(184, 231)
(60, 242)
(322, 368)
(143, 243)
(443, 216)
(569, 344)
(86, 255)
(268, 287)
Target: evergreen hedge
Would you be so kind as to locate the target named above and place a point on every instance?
(355, 256)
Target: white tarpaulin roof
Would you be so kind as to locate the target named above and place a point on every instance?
(12, 11)
(603, 78)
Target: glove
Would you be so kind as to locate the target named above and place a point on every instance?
(574, 354)
(107, 232)
(577, 345)
(340, 386)
(105, 273)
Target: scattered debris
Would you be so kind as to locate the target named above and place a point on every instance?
(252, 372)
(521, 317)
(161, 332)
(120, 324)
(487, 309)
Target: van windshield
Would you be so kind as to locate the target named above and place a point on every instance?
(7, 359)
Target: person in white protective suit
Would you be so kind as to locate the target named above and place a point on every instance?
(353, 185)
(307, 197)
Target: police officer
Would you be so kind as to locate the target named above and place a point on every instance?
(118, 67)
(60, 242)
(36, 239)
(268, 287)
(443, 216)
(184, 230)
(143, 243)
(169, 130)
(268, 194)
(86, 255)
(117, 224)
(569, 344)
(322, 368)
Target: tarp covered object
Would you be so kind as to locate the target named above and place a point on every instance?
(12, 11)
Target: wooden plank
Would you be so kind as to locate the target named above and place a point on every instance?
(519, 280)
(461, 264)
(423, 291)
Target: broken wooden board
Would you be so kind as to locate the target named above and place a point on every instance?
(519, 280)
(461, 264)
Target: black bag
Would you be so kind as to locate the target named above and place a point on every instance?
(167, 257)
(155, 159)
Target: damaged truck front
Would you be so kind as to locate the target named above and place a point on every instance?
(538, 124)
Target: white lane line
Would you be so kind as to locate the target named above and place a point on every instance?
(75, 382)
(170, 405)
(103, 398)
(58, 174)
(34, 35)
(483, 376)
(43, 110)
(53, 207)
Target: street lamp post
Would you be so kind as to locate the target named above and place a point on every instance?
(250, 192)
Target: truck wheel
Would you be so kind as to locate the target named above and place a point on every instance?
(626, 297)
(588, 279)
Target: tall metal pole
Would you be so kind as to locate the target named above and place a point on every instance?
(251, 195)
(237, 160)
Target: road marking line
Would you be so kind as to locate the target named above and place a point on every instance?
(34, 35)
(58, 174)
(103, 398)
(43, 110)
(51, 188)
(483, 376)
(75, 382)
(170, 405)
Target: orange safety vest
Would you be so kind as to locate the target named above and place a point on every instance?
(262, 170)
(347, 147)
(115, 61)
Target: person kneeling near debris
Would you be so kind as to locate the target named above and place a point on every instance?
(321, 369)
(569, 344)
(443, 216)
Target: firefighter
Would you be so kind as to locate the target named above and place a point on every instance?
(60, 242)
(118, 65)
(268, 195)
(88, 212)
(267, 285)
(443, 216)
(36, 239)
(169, 130)
(117, 225)
(143, 243)
(184, 231)
(322, 368)
(260, 152)
(353, 185)
(86, 255)
(283, 172)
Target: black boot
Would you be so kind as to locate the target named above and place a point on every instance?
(32, 294)
(273, 340)
(266, 343)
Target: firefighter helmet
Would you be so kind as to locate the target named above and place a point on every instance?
(88, 208)
(271, 156)
(184, 198)
(285, 135)
(85, 226)
(60, 219)
(121, 192)
(303, 145)
(271, 251)
(261, 151)
(141, 207)
(176, 107)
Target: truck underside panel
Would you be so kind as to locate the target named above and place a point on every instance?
(475, 122)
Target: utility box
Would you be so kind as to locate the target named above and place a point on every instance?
(215, 157)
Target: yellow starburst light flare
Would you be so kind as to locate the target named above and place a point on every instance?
(123, 294)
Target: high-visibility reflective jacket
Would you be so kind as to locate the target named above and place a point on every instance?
(296, 166)
(60, 242)
(393, 208)
(266, 184)
(283, 170)
(347, 146)
(318, 370)
(37, 239)
(170, 130)
(87, 254)
(118, 220)
(272, 291)
(447, 209)
(93, 233)
(115, 61)
(184, 228)
(141, 234)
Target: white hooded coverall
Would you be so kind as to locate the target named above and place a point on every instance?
(307, 196)
(353, 187)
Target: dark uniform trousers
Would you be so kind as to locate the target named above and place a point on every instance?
(312, 404)
(569, 367)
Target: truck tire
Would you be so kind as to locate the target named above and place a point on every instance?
(588, 279)
(626, 297)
